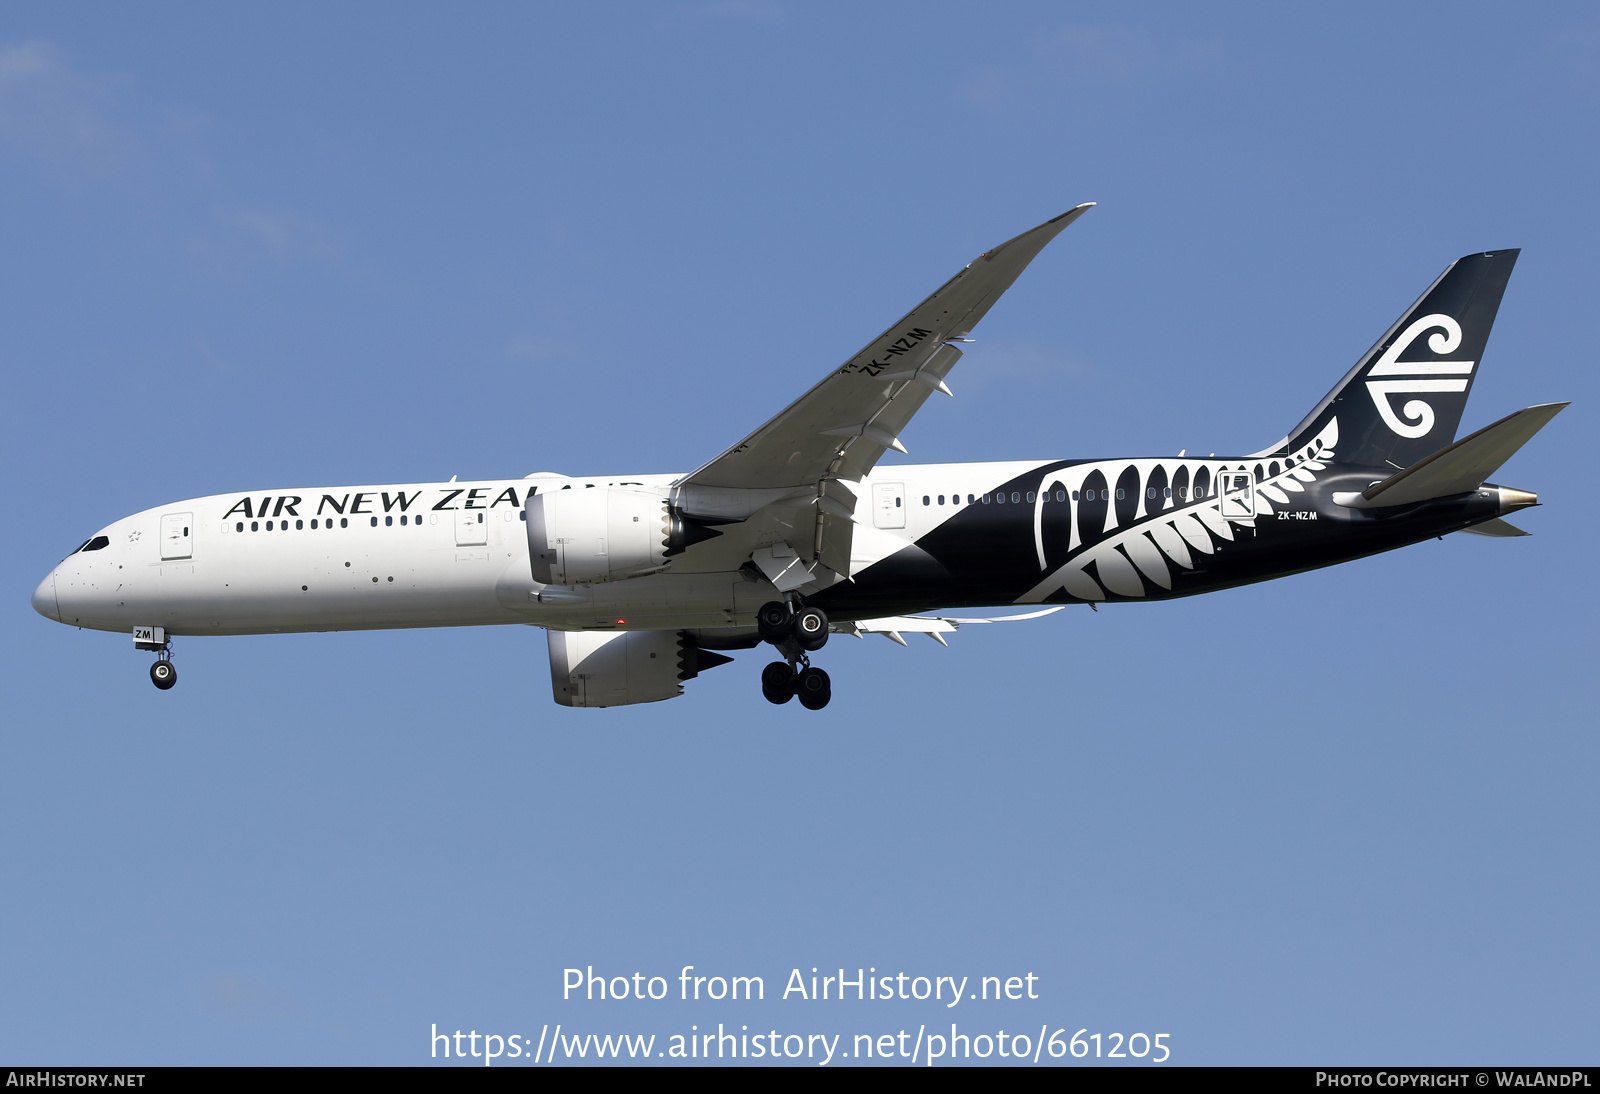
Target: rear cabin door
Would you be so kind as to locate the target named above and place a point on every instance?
(889, 504)
(472, 529)
(177, 536)
(1237, 490)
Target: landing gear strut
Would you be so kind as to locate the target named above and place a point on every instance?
(795, 630)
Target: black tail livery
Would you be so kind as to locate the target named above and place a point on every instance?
(1404, 398)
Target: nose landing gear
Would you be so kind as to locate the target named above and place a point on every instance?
(163, 674)
(795, 630)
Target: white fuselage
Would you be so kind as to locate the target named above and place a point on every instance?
(418, 555)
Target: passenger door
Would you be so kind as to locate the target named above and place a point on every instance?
(1237, 491)
(889, 504)
(177, 536)
(472, 530)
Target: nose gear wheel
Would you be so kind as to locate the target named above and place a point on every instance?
(164, 674)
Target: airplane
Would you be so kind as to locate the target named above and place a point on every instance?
(795, 533)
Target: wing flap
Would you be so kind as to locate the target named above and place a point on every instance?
(934, 626)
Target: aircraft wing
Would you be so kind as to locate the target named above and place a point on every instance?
(840, 428)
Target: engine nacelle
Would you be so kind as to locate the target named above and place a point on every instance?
(619, 668)
(598, 534)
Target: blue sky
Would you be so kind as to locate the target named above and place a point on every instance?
(303, 245)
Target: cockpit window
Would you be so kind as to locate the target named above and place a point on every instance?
(96, 544)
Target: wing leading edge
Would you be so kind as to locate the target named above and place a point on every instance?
(842, 426)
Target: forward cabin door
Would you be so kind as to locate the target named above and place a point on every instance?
(889, 504)
(472, 528)
(177, 536)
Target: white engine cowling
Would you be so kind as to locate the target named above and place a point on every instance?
(598, 534)
(616, 668)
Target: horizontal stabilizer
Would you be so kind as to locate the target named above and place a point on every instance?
(1497, 528)
(1456, 468)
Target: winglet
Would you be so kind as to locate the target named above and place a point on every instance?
(1048, 230)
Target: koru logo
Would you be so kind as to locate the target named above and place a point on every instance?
(1422, 377)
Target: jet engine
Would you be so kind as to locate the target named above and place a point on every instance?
(582, 537)
(619, 668)
(602, 534)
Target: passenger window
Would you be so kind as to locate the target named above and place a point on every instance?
(299, 525)
(1030, 496)
(941, 499)
(999, 499)
(254, 527)
(388, 522)
(313, 524)
(402, 520)
(523, 513)
(1166, 491)
(1061, 495)
(344, 522)
(925, 500)
(1120, 495)
(480, 515)
(239, 527)
(374, 524)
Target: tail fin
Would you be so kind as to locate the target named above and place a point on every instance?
(1404, 398)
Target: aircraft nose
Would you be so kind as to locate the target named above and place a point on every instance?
(44, 598)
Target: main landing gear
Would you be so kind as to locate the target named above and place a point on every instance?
(796, 630)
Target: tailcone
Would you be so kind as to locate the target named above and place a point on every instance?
(1512, 500)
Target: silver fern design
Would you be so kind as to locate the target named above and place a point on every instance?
(1149, 547)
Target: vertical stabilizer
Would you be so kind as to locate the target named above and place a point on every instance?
(1404, 398)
